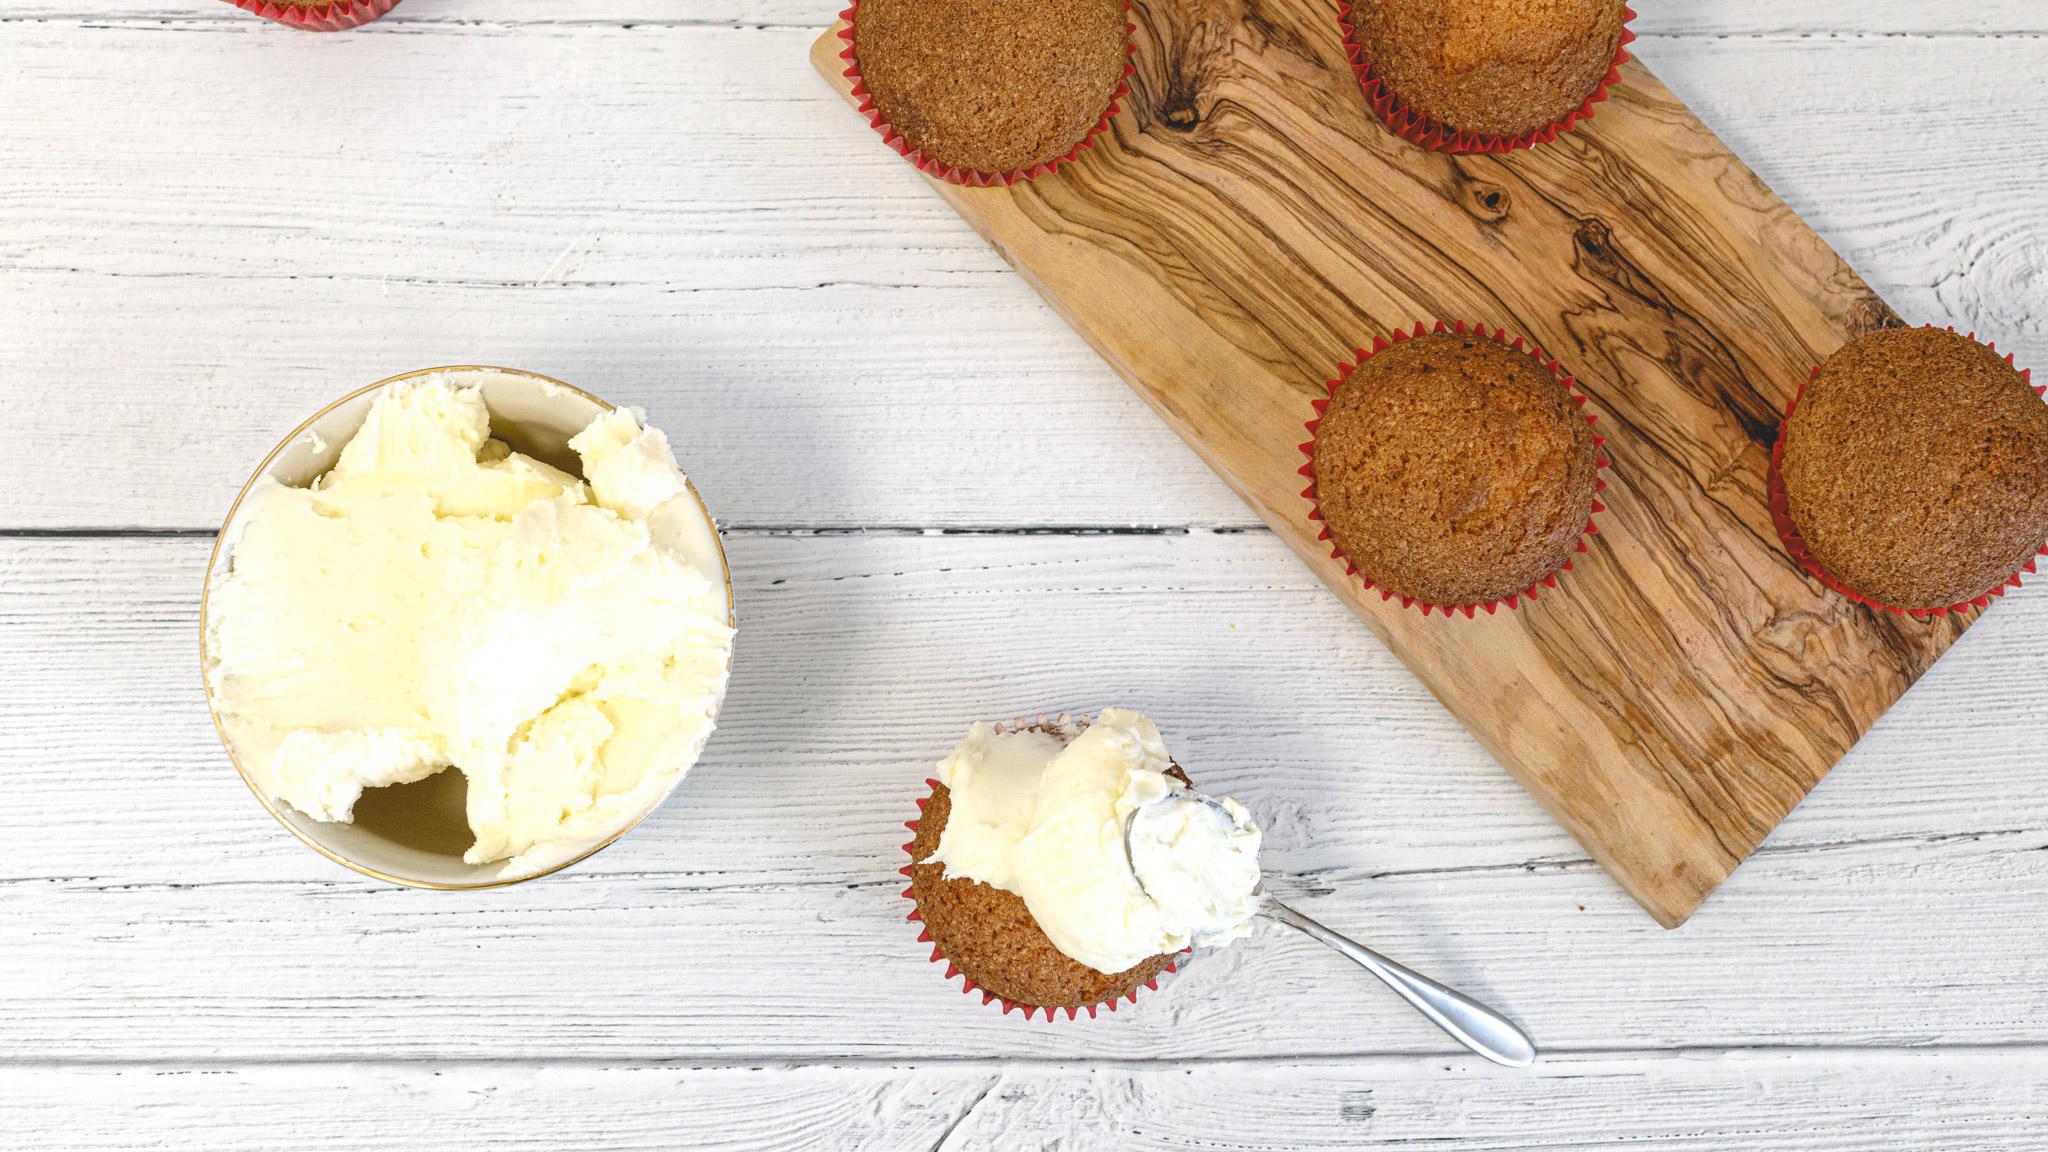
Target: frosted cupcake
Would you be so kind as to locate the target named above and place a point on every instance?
(1022, 878)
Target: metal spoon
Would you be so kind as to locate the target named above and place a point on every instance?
(1469, 1022)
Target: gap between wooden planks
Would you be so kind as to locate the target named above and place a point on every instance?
(1247, 223)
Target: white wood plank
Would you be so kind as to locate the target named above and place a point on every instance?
(1656, 17)
(420, 1109)
(756, 916)
(1767, 1102)
(864, 657)
(689, 220)
(1845, 18)
(1856, 947)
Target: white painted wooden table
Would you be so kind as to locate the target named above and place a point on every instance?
(941, 507)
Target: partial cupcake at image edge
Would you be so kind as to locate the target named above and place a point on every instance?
(1025, 888)
(1454, 469)
(986, 94)
(1911, 472)
(321, 16)
(1466, 76)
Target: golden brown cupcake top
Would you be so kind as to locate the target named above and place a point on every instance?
(1454, 470)
(991, 937)
(988, 86)
(1491, 67)
(1916, 468)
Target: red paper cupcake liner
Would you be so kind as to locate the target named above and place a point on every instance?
(1795, 543)
(1499, 336)
(967, 986)
(330, 17)
(1413, 126)
(968, 176)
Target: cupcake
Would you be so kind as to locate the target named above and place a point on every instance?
(1454, 470)
(980, 92)
(318, 15)
(1912, 471)
(1025, 886)
(1485, 75)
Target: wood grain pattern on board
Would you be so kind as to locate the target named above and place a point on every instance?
(1247, 223)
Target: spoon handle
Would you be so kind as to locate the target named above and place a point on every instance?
(1469, 1022)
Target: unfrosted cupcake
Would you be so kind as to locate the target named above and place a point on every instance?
(1021, 878)
(1485, 75)
(987, 92)
(1913, 470)
(1453, 469)
(318, 15)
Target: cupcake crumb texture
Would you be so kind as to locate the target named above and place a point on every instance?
(991, 87)
(1916, 468)
(1491, 67)
(1454, 470)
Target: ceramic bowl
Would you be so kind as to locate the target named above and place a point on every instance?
(415, 834)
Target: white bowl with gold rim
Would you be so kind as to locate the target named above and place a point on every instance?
(415, 834)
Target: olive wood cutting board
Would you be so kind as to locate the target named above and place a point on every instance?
(1247, 223)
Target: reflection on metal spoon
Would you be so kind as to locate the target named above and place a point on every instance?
(1466, 1020)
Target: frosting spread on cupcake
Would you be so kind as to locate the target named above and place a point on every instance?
(1041, 814)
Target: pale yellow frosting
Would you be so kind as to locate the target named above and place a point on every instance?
(1042, 815)
(438, 600)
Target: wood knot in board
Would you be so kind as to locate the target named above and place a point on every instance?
(1200, 40)
(1598, 257)
(1488, 202)
(1179, 112)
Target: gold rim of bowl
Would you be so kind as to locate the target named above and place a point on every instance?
(206, 591)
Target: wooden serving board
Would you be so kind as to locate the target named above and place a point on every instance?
(1247, 223)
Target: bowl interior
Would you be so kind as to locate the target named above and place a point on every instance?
(416, 833)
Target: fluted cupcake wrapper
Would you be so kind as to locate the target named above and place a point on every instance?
(1405, 121)
(953, 174)
(1499, 336)
(968, 986)
(1795, 542)
(330, 17)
